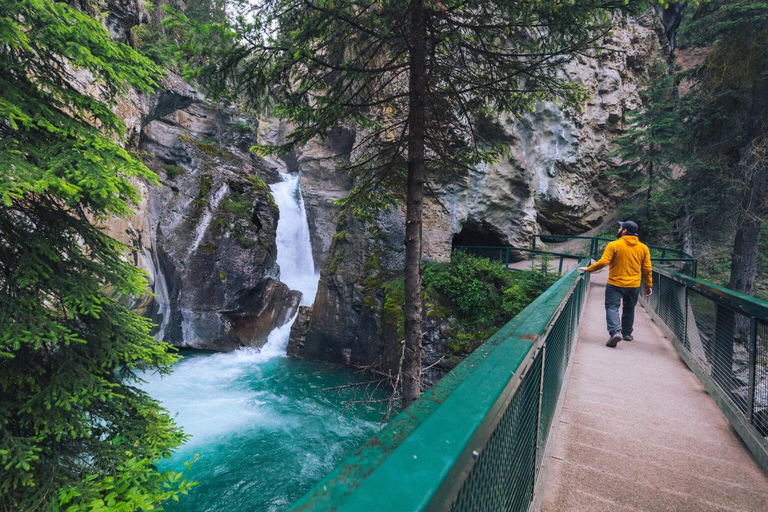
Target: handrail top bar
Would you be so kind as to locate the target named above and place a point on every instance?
(604, 239)
(737, 301)
(521, 249)
(410, 442)
(557, 254)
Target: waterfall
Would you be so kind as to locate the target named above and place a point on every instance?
(294, 250)
(263, 426)
(294, 254)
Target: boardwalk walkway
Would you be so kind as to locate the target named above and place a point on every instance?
(639, 432)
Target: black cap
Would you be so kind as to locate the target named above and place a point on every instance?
(630, 226)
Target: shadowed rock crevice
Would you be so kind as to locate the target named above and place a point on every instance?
(478, 233)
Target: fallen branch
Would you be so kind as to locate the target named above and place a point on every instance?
(391, 400)
(350, 402)
(434, 364)
(352, 385)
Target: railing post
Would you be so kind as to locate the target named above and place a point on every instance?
(560, 267)
(685, 341)
(533, 242)
(506, 261)
(752, 367)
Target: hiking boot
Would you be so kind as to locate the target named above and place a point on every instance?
(614, 340)
(627, 337)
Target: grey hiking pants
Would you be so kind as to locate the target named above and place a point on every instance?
(614, 296)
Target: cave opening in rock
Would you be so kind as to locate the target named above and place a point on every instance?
(478, 233)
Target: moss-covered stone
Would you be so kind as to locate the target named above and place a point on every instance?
(208, 247)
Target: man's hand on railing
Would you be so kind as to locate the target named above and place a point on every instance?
(582, 269)
(647, 291)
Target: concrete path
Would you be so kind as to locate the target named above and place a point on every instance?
(639, 432)
(554, 263)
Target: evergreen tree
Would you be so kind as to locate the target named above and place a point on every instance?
(709, 125)
(421, 80)
(727, 121)
(75, 432)
(649, 149)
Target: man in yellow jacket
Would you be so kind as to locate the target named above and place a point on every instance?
(627, 260)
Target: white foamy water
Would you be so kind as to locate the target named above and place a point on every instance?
(210, 396)
(262, 424)
(294, 250)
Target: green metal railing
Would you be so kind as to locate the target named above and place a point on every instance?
(595, 245)
(507, 254)
(475, 441)
(722, 336)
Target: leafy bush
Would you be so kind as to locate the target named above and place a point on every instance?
(526, 286)
(470, 286)
(243, 127)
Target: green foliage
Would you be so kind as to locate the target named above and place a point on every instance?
(394, 302)
(347, 63)
(211, 148)
(335, 261)
(172, 171)
(161, 38)
(238, 205)
(75, 431)
(527, 286)
(478, 293)
(340, 236)
(707, 124)
(471, 286)
(243, 127)
(152, 41)
(261, 184)
(206, 185)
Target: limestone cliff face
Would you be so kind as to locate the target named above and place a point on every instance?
(206, 233)
(555, 181)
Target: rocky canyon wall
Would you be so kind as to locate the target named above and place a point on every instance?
(206, 232)
(556, 180)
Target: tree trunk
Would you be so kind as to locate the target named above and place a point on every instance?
(414, 201)
(686, 235)
(745, 253)
(745, 244)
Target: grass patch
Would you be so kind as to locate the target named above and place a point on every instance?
(173, 171)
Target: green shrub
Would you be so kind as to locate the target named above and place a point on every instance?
(172, 171)
(526, 286)
(243, 127)
(470, 286)
(206, 184)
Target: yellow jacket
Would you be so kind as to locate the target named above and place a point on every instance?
(626, 258)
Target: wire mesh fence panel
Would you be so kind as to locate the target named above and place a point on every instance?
(555, 361)
(502, 478)
(672, 306)
(700, 315)
(760, 405)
